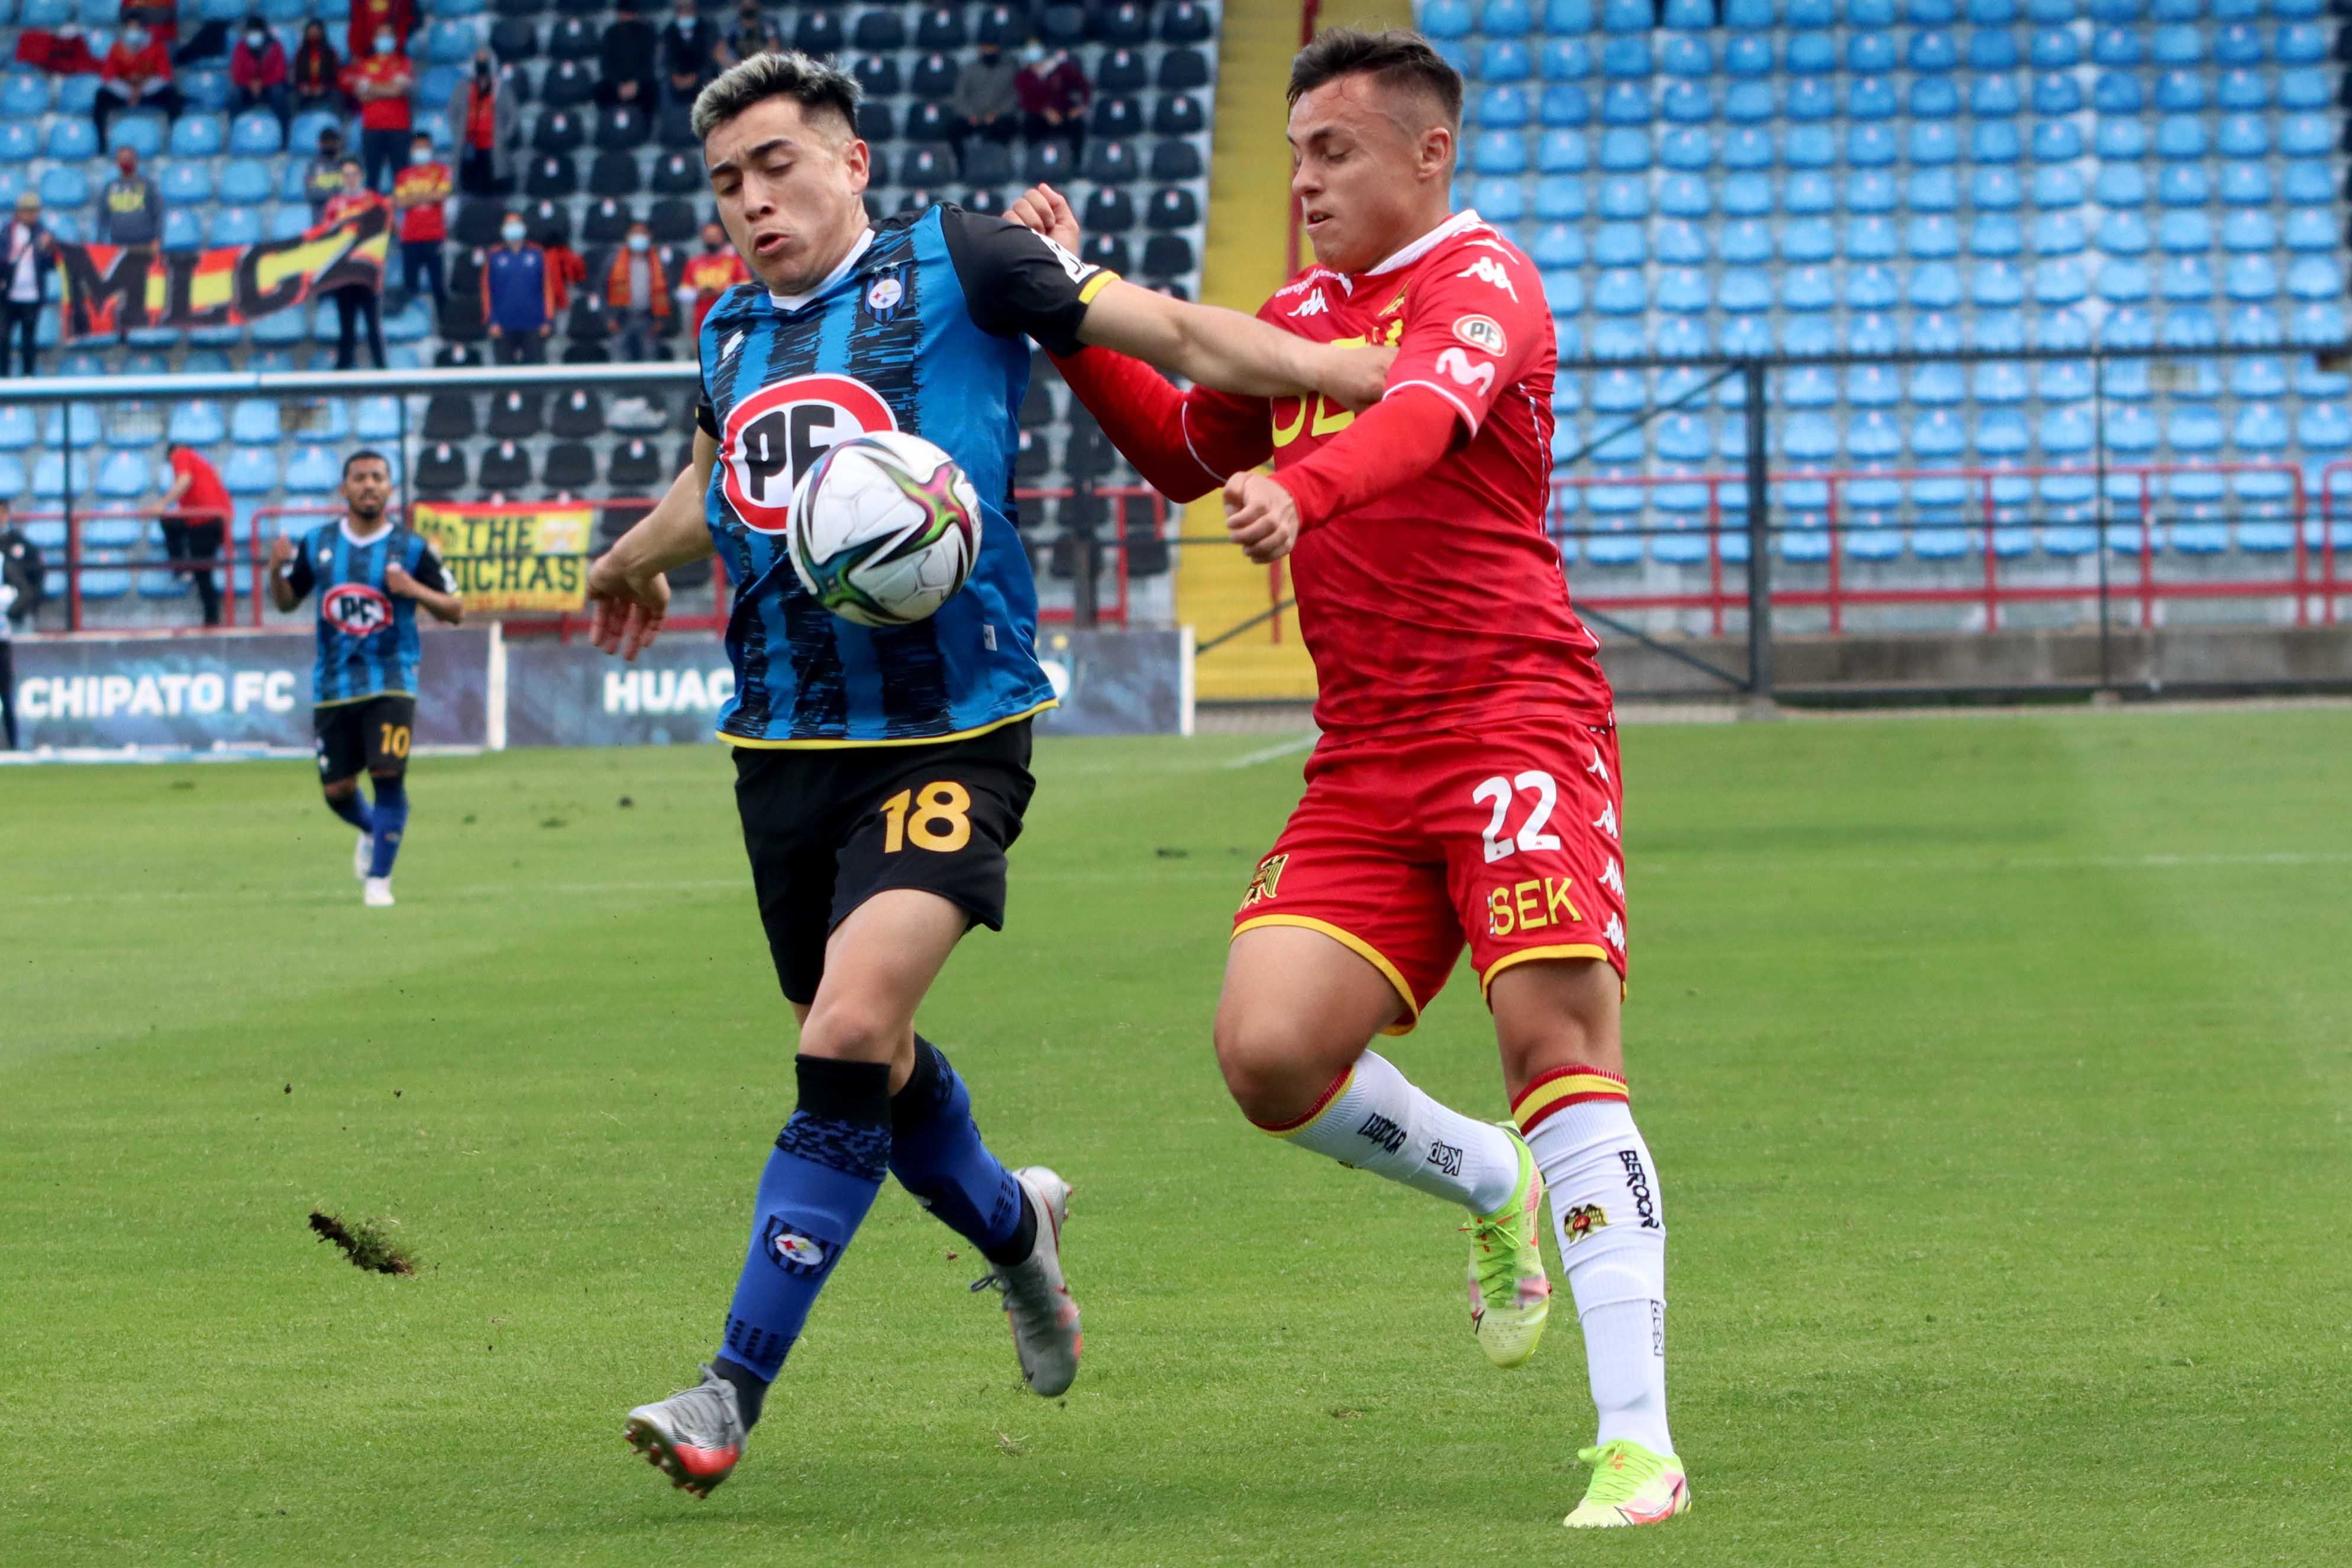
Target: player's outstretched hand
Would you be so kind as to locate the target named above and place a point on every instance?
(624, 614)
(1043, 208)
(281, 550)
(1357, 378)
(1261, 517)
(397, 580)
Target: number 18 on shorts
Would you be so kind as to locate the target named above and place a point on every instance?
(1404, 852)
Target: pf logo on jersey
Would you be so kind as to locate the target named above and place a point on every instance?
(355, 610)
(777, 434)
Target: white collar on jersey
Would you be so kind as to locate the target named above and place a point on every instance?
(354, 540)
(1466, 218)
(794, 301)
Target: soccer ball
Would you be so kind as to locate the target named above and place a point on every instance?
(883, 528)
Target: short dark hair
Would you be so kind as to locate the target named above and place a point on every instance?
(364, 454)
(1399, 56)
(815, 85)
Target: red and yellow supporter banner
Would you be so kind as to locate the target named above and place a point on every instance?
(110, 289)
(512, 558)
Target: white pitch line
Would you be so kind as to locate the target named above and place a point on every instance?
(1269, 753)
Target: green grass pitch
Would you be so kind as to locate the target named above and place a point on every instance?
(1996, 1068)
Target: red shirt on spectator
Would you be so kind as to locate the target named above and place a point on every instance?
(206, 498)
(426, 220)
(350, 202)
(394, 71)
(566, 270)
(367, 16)
(151, 64)
(711, 275)
(248, 68)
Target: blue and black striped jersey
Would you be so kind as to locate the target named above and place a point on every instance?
(921, 329)
(367, 636)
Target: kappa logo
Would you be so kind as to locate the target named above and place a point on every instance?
(1456, 364)
(1486, 269)
(1378, 1130)
(1583, 1221)
(355, 610)
(1446, 1158)
(1613, 878)
(776, 434)
(1607, 820)
(1313, 305)
(1482, 333)
(1597, 767)
(1268, 878)
(1615, 932)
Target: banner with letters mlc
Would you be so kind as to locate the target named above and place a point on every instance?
(112, 288)
(529, 558)
(222, 692)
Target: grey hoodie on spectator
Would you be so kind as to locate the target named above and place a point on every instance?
(130, 211)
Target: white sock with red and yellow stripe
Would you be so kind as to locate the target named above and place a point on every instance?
(1612, 1226)
(1374, 1120)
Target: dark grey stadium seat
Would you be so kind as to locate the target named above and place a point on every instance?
(1110, 210)
(440, 470)
(1006, 26)
(1167, 255)
(1120, 70)
(552, 176)
(613, 174)
(673, 221)
(607, 221)
(987, 163)
(934, 77)
(568, 84)
(1111, 163)
(570, 466)
(549, 222)
(517, 415)
(877, 31)
(635, 467)
(449, 416)
(1182, 70)
(478, 222)
(818, 33)
(1172, 208)
(558, 131)
(623, 125)
(1186, 23)
(577, 416)
(1127, 22)
(1177, 114)
(514, 39)
(574, 39)
(676, 174)
(1172, 160)
(506, 468)
(1107, 250)
(942, 28)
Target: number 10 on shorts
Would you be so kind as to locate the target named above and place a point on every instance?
(938, 818)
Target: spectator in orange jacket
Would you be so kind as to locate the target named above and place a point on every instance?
(705, 278)
(137, 75)
(636, 298)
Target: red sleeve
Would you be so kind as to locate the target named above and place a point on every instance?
(1471, 328)
(1390, 444)
(1183, 443)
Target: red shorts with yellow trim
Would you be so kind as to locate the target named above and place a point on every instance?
(1405, 850)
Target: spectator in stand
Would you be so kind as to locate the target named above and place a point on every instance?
(567, 269)
(518, 295)
(322, 176)
(258, 73)
(1054, 93)
(751, 34)
(357, 301)
(626, 62)
(130, 208)
(418, 195)
(371, 19)
(137, 75)
(474, 119)
(689, 47)
(29, 256)
(985, 102)
(636, 298)
(160, 18)
(317, 72)
(20, 595)
(382, 83)
(196, 508)
(706, 277)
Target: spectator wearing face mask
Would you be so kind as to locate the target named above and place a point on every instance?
(137, 75)
(317, 74)
(474, 110)
(322, 176)
(704, 278)
(690, 48)
(370, 17)
(28, 259)
(985, 102)
(418, 195)
(518, 295)
(381, 83)
(1054, 93)
(751, 34)
(257, 74)
(357, 302)
(129, 208)
(636, 298)
(627, 68)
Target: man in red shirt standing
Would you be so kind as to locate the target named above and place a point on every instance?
(370, 17)
(197, 507)
(705, 278)
(356, 302)
(418, 194)
(1467, 785)
(380, 82)
(137, 73)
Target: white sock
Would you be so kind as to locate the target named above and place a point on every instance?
(1611, 1224)
(1374, 1120)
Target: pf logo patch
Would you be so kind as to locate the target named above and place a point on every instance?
(355, 610)
(794, 1251)
(1481, 332)
(777, 434)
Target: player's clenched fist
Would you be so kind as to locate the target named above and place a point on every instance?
(624, 613)
(281, 552)
(1261, 517)
(1043, 208)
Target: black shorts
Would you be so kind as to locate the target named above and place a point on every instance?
(827, 830)
(372, 734)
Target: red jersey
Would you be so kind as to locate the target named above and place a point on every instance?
(205, 493)
(381, 71)
(427, 219)
(1440, 604)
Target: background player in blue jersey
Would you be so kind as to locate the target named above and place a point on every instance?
(371, 574)
(880, 774)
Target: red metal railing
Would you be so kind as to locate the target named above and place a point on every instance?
(75, 563)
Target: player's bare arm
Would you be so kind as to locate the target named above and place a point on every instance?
(628, 592)
(446, 608)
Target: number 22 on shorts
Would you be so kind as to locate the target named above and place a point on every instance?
(938, 817)
(1499, 790)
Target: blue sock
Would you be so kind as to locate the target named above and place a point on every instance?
(936, 1154)
(389, 817)
(828, 1165)
(352, 809)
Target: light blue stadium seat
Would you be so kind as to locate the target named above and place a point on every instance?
(1686, 148)
(76, 94)
(1559, 198)
(2309, 229)
(1564, 291)
(251, 471)
(303, 135)
(19, 142)
(245, 182)
(1994, 97)
(1499, 152)
(2315, 276)
(1992, 49)
(73, 139)
(2184, 232)
(2054, 49)
(1504, 59)
(1994, 141)
(1745, 243)
(2180, 137)
(1812, 147)
(24, 96)
(1872, 287)
(1446, 18)
(1810, 193)
(1934, 286)
(1624, 16)
(1615, 338)
(234, 225)
(1870, 52)
(1627, 60)
(1620, 245)
(254, 421)
(376, 419)
(1624, 151)
(1750, 15)
(1870, 99)
(1936, 385)
(1685, 196)
(88, 427)
(123, 477)
(1686, 102)
(255, 134)
(1557, 246)
(1931, 52)
(1503, 108)
(1626, 103)
(2247, 229)
(1808, 239)
(16, 428)
(2120, 185)
(2116, 47)
(1870, 191)
(1933, 144)
(1750, 103)
(2056, 93)
(1748, 148)
(2127, 327)
(311, 470)
(198, 136)
(1564, 103)
(1995, 190)
(2244, 90)
(2251, 276)
(2058, 234)
(2242, 136)
(1870, 239)
(2116, 93)
(2176, 44)
(2299, 87)
(2187, 279)
(1682, 244)
(206, 87)
(1999, 382)
(2306, 183)
(2057, 142)
(1747, 56)
(1624, 196)
(196, 421)
(185, 183)
(1688, 55)
(1934, 98)
(1931, 236)
(1809, 98)
(180, 230)
(2299, 44)
(49, 482)
(2180, 93)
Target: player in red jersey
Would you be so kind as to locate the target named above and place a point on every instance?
(1466, 787)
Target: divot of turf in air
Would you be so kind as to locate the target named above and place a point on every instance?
(366, 1244)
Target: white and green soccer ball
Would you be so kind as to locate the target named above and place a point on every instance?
(883, 528)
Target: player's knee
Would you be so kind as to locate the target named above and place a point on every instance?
(340, 789)
(1556, 1014)
(852, 1031)
(1269, 1072)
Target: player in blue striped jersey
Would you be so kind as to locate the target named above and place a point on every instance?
(880, 773)
(370, 575)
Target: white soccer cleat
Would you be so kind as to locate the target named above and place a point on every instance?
(364, 857)
(377, 893)
(1044, 1321)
